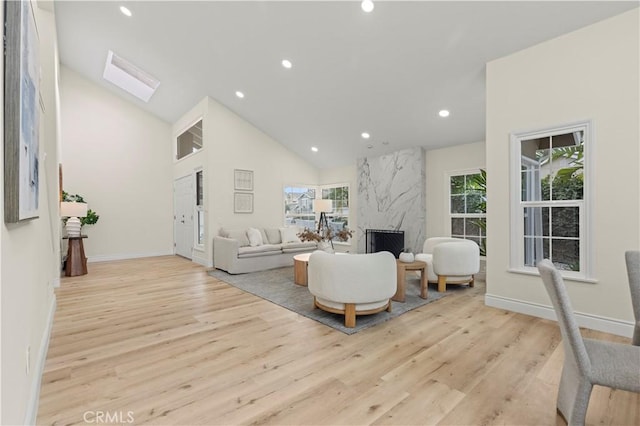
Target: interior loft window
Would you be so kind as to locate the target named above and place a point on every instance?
(200, 208)
(298, 206)
(468, 207)
(190, 141)
(550, 210)
(338, 219)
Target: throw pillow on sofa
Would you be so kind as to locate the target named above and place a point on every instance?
(273, 235)
(289, 235)
(255, 237)
(236, 234)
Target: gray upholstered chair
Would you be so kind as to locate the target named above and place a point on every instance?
(587, 362)
(633, 270)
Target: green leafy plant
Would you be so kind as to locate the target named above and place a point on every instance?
(91, 218)
(478, 182)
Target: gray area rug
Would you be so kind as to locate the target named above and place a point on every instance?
(277, 286)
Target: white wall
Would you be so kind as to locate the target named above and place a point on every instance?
(439, 163)
(230, 142)
(30, 257)
(118, 157)
(592, 74)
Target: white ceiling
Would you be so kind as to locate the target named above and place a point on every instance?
(387, 73)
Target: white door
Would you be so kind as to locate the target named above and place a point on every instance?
(183, 207)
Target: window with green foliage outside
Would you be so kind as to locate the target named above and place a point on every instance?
(468, 207)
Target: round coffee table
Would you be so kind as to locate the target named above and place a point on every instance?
(300, 264)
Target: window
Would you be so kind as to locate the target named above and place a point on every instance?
(199, 208)
(298, 206)
(338, 219)
(550, 192)
(468, 207)
(190, 141)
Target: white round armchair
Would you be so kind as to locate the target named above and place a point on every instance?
(450, 261)
(353, 284)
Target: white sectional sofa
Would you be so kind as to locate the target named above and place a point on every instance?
(239, 251)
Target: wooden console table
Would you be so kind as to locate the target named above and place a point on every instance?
(76, 260)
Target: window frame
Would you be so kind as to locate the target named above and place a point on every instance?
(180, 133)
(321, 188)
(284, 200)
(450, 215)
(517, 206)
(198, 208)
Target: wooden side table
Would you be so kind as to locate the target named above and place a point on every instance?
(76, 260)
(300, 264)
(402, 268)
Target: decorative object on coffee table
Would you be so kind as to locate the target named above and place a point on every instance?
(406, 256)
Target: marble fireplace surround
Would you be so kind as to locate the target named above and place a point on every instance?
(392, 196)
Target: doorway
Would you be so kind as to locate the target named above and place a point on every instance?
(183, 207)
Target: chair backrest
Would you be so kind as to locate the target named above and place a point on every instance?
(430, 243)
(352, 278)
(571, 337)
(632, 258)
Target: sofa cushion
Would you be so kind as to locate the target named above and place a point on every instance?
(255, 237)
(290, 234)
(273, 235)
(295, 247)
(264, 249)
(265, 240)
(236, 234)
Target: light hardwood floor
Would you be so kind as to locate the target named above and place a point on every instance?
(158, 341)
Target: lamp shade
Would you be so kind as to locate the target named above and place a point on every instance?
(322, 206)
(73, 209)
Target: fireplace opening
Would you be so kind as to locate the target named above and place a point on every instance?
(384, 240)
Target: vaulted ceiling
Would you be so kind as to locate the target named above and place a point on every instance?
(387, 73)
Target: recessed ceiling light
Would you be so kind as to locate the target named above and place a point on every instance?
(239, 94)
(365, 135)
(369, 146)
(367, 5)
(125, 11)
(286, 63)
(314, 149)
(443, 113)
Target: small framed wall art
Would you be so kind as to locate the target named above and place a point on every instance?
(243, 180)
(242, 202)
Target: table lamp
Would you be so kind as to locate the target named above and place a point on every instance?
(73, 211)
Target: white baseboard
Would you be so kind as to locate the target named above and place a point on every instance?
(125, 256)
(594, 322)
(36, 380)
(207, 263)
(56, 282)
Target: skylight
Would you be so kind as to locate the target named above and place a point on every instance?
(129, 77)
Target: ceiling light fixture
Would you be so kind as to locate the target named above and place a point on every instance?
(314, 149)
(239, 94)
(287, 63)
(367, 5)
(443, 113)
(365, 135)
(125, 11)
